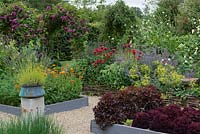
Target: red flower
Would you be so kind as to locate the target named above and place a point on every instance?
(133, 51)
(138, 58)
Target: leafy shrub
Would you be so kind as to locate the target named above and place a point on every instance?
(193, 128)
(161, 127)
(62, 86)
(30, 124)
(20, 23)
(66, 31)
(141, 120)
(166, 75)
(114, 76)
(94, 62)
(117, 108)
(169, 119)
(140, 74)
(9, 90)
(118, 19)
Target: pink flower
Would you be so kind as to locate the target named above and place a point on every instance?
(65, 28)
(48, 8)
(63, 18)
(53, 16)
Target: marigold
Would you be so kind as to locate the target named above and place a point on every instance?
(62, 72)
(17, 86)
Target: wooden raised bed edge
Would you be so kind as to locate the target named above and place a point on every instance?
(52, 108)
(119, 129)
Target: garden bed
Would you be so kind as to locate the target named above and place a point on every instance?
(52, 108)
(119, 129)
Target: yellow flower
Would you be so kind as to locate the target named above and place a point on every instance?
(71, 70)
(53, 65)
(52, 72)
(62, 72)
(55, 76)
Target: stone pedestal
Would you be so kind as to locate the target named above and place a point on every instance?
(32, 100)
(32, 105)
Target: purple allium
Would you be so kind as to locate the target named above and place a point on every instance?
(48, 8)
(63, 18)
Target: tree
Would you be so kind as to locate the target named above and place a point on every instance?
(189, 14)
(167, 10)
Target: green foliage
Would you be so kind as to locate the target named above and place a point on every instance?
(41, 4)
(167, 11)
(30, 124)
(114, 76)
(60, 87)
(66, 32)
(31, 75)
(188, 53)
(20, 23)
(8, 54)
(140, 74)
(188, 17)
(9, 90)
(118, 19)
(151, 34)
(128, 122)
(166, 75)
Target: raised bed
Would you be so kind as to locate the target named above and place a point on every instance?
(50, 109)
(119, 129)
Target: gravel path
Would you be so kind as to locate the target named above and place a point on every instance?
(74, 122)
(77, 121)
(5, 116)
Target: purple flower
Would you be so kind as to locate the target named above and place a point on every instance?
(13, 13)
(65, 28)
(2, 17)
(53, 16)
(63, 18)
(14, 21)
(15, 26)
(48, 8)
(71, 30)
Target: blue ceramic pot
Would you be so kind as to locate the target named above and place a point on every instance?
(31, 92)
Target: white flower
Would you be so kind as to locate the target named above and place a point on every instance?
(168, 59)
(193, 31)
(190, 57)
